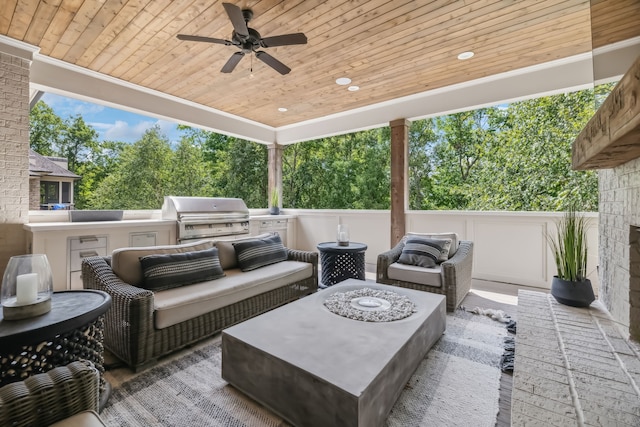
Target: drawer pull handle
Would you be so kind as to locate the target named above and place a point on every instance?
(88, 254)
(84, 239)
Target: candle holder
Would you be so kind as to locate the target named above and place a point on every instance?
(27, 286)
(343, 235)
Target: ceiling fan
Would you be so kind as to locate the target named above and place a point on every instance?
(249, 40)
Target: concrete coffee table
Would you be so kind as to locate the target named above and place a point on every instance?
(317, 368)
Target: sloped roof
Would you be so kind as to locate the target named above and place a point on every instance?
(40, 165)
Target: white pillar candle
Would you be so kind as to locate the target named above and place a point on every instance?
(343, 236)
(27, 288)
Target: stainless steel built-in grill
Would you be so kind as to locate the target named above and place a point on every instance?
(206, 217)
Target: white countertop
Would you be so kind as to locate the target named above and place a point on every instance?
(92, 225)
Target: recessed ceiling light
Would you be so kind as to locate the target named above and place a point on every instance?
(282, 109)
(343, 81)
(353, 88)
(465, 55)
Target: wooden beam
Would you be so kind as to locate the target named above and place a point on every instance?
(275, 170)
(399, 177)
(612, 136)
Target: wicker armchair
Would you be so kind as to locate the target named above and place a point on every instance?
(43, 399)
(455, 273)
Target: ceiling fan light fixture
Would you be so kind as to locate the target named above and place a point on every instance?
(465, 55)
(343, 81)
(282, 110)
(353, 88)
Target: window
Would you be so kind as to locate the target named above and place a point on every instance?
(66, 192)
(49, 192)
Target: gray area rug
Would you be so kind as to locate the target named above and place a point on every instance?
(457, 384)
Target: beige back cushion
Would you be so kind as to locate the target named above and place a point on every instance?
(227, 253)
(126, 261)
(450, 235)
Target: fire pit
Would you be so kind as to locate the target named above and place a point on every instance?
(370, 305)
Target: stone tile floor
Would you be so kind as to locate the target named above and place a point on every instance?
(572, 367)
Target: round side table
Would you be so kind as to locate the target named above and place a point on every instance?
(72, 330)
(341, 262)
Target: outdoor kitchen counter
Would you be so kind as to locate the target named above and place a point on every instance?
(67, 243)
(93, 225)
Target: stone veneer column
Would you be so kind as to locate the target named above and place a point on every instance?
(15, 63)
(399, 177)
(619, 214)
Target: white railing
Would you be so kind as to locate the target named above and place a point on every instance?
(509, 247)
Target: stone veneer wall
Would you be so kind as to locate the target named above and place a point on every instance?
(34, 193)
(619, 215)
(14, 155)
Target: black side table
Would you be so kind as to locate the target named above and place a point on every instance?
(72, 330)
(341, 262)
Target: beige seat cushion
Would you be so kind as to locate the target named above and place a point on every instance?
(455, 239)
(82, 419)
(414, 274)
(125, 262)
(176, 305)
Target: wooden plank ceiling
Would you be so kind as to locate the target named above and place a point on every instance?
(389, 49)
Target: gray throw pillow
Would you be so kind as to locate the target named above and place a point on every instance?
(256, 253)
(423, 252)
(168, 271)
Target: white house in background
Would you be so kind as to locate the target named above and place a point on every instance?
(50, 182)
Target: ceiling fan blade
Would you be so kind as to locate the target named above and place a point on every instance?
(272, 62)
(202, 39)
(284, 40)
(232, 62)
(237, 19)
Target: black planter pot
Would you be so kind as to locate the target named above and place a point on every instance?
(274, 210)
(575, 294)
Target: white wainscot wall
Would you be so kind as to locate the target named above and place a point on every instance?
(509, 247)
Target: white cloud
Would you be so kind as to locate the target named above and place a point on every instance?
(123, 131)
(66, 107)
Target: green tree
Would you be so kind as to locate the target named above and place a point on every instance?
(238, 168)
(342, 172)
(142, 176)
(528, 167)
(102, 163)
(422, 138)
(45, 129)
(190, 173)
(79, 141)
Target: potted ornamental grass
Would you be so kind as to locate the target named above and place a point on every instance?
(274, 202)
(569, 246)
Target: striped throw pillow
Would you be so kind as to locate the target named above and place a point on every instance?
(256, 253)
(166, 271)
(423, 252)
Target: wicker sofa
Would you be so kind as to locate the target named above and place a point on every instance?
(143, 325)
(451, 278)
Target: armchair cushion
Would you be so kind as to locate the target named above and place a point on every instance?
(83, 419)
(424, 252)
(413, 274)
(166, 271)
(455, 240)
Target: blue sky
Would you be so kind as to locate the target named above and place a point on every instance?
(110, 123)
